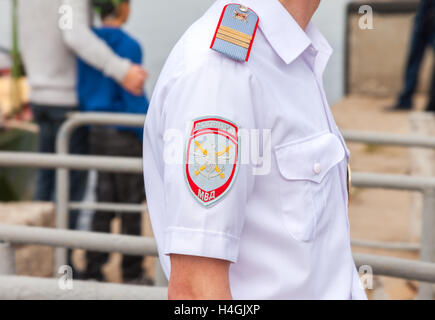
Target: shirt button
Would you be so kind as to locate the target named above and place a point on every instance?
(317, 168)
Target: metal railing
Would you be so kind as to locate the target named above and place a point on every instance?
(397, 268)
(389, 139)
(29, 288)
(93, 241)
(63, 162)
(12, 287)
(427, 187)
(385, 139)
(396, 182)
(75, 121)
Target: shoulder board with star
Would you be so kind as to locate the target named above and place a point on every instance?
(235, 32)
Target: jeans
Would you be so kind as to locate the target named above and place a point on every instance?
(116, 188)
(50, 119)
(422, 37)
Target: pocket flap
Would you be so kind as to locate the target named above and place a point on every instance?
(310, 159)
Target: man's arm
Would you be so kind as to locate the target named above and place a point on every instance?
(96, 53)
(198, 278)
(202, 241)
(134, 103)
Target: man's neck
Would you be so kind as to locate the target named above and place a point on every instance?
(112, 22)
(301, 10)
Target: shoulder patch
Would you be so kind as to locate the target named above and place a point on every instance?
(235, 32)
(212, 159)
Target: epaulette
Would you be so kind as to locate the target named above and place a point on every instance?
(235, 32)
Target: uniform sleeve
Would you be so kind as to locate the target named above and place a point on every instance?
(217, 90)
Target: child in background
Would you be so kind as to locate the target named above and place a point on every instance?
(98, 93)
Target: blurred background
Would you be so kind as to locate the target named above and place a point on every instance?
(365, 75)
(144, 25)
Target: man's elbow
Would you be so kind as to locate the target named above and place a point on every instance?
(71, 39)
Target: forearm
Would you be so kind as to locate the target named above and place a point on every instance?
(88, 46)
(192, 291)
(196, 278)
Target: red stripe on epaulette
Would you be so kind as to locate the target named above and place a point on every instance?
(253, 38)
(219, 24)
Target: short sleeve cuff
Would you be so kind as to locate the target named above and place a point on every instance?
(201, 243)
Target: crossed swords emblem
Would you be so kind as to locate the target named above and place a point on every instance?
(210, 161)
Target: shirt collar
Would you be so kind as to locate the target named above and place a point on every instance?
(284, 34)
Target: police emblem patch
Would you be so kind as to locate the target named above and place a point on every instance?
(212, 159)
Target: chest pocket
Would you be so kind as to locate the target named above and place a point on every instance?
(306, 168)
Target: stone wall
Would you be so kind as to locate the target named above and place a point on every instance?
(377, 58)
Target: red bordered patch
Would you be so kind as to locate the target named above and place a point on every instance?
(212, 158)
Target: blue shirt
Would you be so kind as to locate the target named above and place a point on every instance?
(99, 93)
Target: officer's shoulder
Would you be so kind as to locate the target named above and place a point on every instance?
(214, 37)
(235, 32)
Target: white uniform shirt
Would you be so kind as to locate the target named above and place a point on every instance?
(286, 231)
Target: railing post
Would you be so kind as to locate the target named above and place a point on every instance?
(62, 198)
(74, 121)
(62, 191)
(7, 259)
(427, 253)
